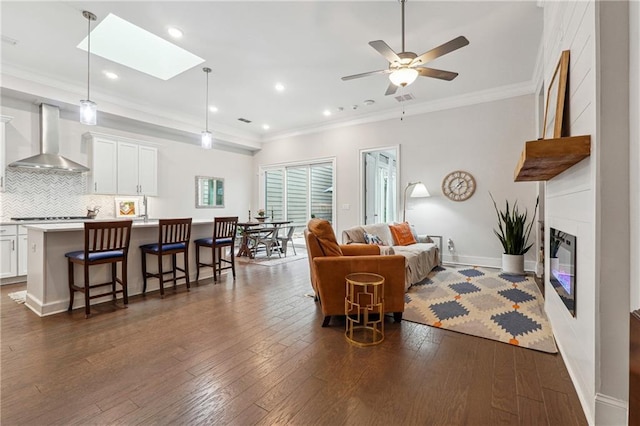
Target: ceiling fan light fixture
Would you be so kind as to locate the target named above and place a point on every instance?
(403, 76)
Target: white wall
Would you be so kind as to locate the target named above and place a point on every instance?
(178, 164)
(634, 151)
(591, 201)
(484, 139)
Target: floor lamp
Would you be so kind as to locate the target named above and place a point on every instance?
(419, 190)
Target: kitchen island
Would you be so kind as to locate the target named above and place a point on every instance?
(47, 280)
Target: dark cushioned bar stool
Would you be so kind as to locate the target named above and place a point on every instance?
(224, 235)
(173, 238)
(104, 242)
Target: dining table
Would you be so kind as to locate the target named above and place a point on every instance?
(247, 229)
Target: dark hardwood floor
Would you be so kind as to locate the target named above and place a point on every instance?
(253, 352)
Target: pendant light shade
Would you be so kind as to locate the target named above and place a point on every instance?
(88, 112)
(206, 140)
(88, 109)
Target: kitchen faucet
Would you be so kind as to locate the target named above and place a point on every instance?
(146, 213)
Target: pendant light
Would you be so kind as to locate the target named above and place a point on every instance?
(207, 138)
(88, 109)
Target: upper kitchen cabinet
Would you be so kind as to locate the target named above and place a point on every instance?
(122, 166)
(103, 175)
(137, 169)
(4, 119)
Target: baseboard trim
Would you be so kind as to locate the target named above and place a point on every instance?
(58, 306)
(610, 410)
(487, 262)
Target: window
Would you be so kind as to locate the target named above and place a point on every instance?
(299, 192)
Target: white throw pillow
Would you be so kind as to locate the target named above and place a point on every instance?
(382, 231)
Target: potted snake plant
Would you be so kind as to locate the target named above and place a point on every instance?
(514, 230)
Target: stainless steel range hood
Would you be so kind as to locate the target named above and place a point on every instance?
(49, 157)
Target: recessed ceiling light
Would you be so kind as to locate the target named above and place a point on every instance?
(279, 87)
(326, 113)
(213, 108)
(124, 43)
(265, 126)
(110, 75)
(369, 102)
(175, 32)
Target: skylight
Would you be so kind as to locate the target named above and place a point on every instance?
(122, 42)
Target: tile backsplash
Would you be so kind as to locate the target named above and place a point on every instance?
(31, 193)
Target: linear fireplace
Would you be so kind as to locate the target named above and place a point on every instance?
(562, 267)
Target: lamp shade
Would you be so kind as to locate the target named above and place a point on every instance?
(403, 76)
(419, 191)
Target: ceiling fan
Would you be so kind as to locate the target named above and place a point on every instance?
(405, 67)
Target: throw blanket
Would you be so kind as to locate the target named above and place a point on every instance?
(420, 258)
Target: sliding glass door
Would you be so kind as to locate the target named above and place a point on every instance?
(299, 192)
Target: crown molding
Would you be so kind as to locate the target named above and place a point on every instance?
(483, 96)
(38, 88)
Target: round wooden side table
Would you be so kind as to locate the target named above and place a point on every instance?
(364, 308)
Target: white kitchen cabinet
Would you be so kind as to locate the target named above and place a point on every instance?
(122, 166)
(3, 120)
(8, 251)
(137, 169)
(103, 175)
(23, 245)
(148, 170)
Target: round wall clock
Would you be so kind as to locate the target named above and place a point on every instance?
(458, 185)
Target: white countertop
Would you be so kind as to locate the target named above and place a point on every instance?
(79, 226)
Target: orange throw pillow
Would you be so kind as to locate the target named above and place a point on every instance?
(402, 234)
(323, 231)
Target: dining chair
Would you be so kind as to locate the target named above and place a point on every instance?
(224, 235)
(285, 240)
(267, 238)
(104, 242)
(173, 238)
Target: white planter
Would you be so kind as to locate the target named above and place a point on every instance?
(513, 264)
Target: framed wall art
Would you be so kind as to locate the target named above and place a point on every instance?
(556, 92)
(127, 207)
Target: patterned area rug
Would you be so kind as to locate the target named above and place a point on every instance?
(482, 302)
(19, 296)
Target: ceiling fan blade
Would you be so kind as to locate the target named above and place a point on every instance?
(441, 50)
(384, 49)
(365, 74)
(434, 73)
(391, 89)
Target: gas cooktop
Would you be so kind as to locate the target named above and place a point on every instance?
(46, 218)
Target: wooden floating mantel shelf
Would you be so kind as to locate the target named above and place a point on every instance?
(544, 159)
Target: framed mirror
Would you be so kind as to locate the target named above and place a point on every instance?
(209, 192)
(554, 111)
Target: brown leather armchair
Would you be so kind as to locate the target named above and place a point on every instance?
(329, 267)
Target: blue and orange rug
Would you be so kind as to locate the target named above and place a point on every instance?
(482, 302)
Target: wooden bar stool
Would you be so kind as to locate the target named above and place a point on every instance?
(224, 235)
(173, 238)
(104, 242)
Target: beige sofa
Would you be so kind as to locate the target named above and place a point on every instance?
(420, 258)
